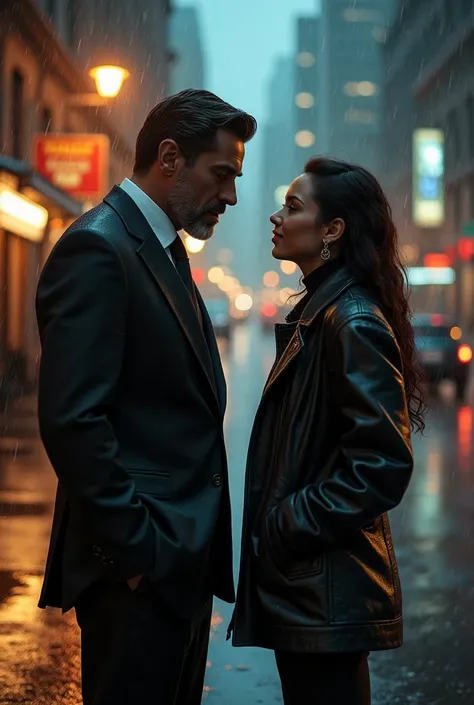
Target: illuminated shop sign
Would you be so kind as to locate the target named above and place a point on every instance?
(428, 178)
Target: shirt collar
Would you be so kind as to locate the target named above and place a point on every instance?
(156, 217)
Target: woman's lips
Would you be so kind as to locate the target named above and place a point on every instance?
(276, 237)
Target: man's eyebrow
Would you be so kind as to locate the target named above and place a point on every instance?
(229, 169)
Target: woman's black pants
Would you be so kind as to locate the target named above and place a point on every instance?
(324, 679)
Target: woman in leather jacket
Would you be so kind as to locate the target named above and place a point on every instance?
(330, 452)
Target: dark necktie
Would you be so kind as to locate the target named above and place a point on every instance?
(181, 259)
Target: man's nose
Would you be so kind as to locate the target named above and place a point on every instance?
(229, 195)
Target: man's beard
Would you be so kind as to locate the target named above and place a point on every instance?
(183, 204)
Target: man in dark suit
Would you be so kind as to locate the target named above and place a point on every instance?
(131, 405)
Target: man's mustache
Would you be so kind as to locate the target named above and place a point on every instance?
(218, 209)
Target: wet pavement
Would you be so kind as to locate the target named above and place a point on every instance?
(433, 534)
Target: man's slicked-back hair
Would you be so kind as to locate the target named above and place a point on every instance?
(191, 118)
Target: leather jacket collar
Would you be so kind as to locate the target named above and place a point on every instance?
(328, 292)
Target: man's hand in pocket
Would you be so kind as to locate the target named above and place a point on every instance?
(133, 583)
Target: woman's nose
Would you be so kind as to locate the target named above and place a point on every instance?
(276, 219)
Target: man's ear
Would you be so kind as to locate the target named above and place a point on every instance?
(168, 156)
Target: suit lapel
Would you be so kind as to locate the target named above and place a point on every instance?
(153, 255)
(172, 286)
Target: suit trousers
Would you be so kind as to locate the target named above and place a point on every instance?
(324, 679)
(135, 650)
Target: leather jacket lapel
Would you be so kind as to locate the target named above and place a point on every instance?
(321, 299)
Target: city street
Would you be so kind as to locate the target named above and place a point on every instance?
(39, 650)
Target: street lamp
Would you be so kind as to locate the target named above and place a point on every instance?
(108, 80)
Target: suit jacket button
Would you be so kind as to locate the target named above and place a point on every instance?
(217, 480)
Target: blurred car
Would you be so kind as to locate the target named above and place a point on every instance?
(218, 309)
(442, 352)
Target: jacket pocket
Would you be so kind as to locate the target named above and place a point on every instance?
(305, 568)
(157, 484)
(292, 567)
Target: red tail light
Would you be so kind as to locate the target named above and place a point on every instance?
(269, 309)
(465, 353)
(436, 319)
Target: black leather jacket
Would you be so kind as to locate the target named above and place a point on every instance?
(330, 454)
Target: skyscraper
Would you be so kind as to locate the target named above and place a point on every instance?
(306, 98)
(187, 69)
(278, 153)
(350, 70)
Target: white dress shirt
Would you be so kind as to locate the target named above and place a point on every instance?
(156, 217)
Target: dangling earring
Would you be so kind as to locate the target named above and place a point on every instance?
(325, 252)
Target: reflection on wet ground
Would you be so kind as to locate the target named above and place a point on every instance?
(433, 530)
(39, 650)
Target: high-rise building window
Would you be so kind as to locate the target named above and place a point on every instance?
(304, 100)
(364, 89)
(46, 121)
(305, 59)
(305, 138)
(379, 34)
(351, 14)
(17, 113)
(470, 124)
(365, 117)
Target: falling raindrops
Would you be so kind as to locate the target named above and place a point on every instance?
(336, 78)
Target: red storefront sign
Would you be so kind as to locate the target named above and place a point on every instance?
(76, 163)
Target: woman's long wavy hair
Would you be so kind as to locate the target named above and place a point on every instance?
(370, 247)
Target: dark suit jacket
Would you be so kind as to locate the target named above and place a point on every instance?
(131, 405)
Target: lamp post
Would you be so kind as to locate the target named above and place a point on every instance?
(108, 79)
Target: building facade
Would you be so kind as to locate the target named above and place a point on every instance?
(349, 77)
(45, 49)
(278, 153)
(428, 82)
(134, 35)
(306, 99)
(188, 62)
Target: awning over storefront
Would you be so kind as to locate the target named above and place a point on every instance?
(35, 187)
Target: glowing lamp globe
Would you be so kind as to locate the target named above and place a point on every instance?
(109, 79)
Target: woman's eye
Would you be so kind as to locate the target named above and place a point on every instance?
(289, 206)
